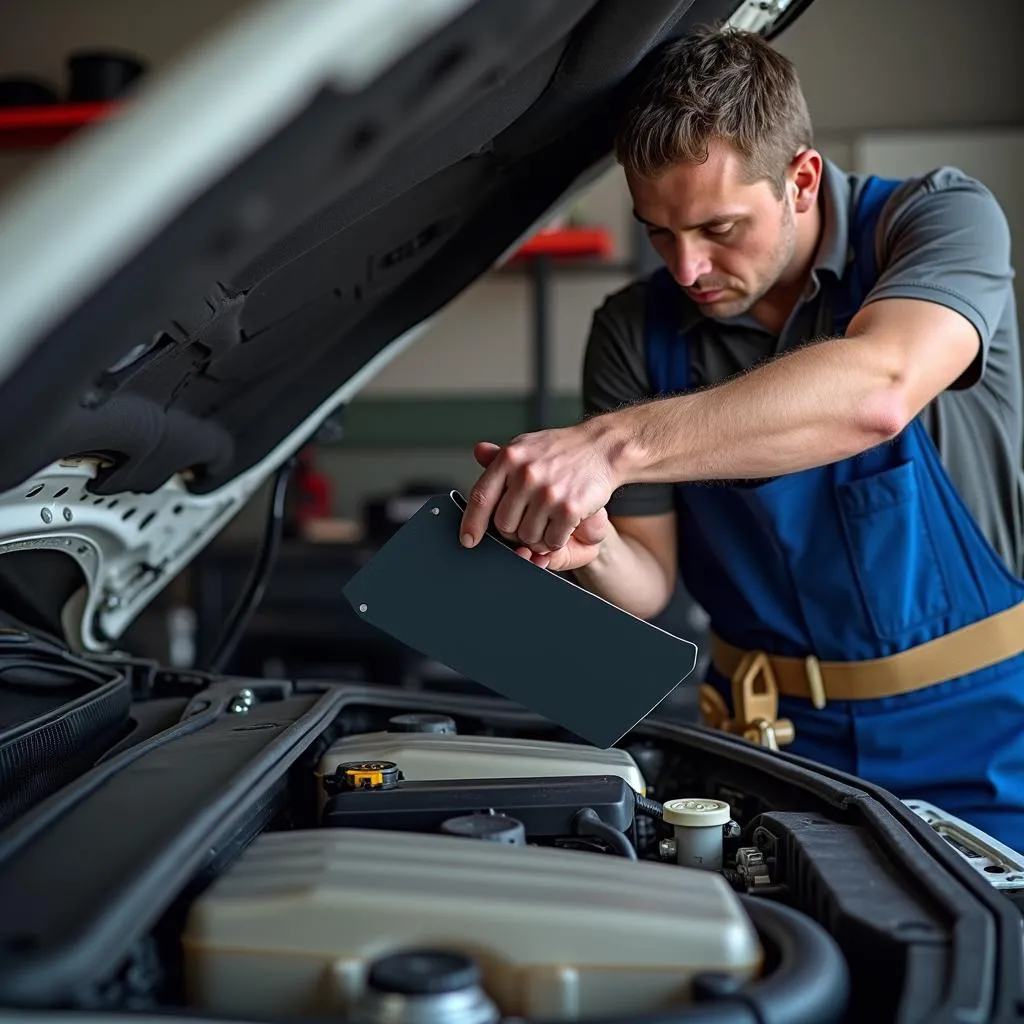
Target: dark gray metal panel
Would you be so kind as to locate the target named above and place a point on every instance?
(522, 631)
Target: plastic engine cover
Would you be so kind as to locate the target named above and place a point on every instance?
(293, 926)
(435, 756)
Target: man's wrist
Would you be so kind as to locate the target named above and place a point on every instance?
(608, 553)
(599, 566)
(616, 435)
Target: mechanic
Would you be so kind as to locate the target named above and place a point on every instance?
(812, 414)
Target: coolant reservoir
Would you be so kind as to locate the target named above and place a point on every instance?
(431, 756)
(697, 824)
(293, 926)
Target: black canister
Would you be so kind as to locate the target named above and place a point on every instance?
(490, 828)
(96, 76)
(425, 987)
(421, 722)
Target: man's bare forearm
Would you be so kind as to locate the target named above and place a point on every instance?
(807, 408)
(627, 575)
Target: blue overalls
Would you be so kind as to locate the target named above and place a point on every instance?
(860, 559)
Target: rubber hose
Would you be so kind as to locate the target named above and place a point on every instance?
(646, 806)
(588, 823)
(811, 985)
(259, 575)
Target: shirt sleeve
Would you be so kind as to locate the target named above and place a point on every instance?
(615, 375)
(947, 241)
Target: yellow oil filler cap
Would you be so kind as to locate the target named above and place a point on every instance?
(363, 775)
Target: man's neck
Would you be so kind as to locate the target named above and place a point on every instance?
(774, 309)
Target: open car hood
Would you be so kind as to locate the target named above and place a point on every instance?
(188, 290)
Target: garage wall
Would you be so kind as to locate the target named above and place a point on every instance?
(910, 64)
(37, 36)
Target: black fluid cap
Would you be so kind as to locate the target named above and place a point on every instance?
(417, 722)
(423, 972)
(492, 828)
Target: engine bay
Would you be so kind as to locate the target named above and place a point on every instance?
(443, 844)
(282, 851)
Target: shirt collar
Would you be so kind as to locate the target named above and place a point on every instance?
(834, 247)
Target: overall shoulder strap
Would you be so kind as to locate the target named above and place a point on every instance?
(664, 350)
(862, 272)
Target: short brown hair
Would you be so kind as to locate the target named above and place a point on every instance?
(717, 84)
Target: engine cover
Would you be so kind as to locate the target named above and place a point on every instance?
(432, 756)
(292, 927)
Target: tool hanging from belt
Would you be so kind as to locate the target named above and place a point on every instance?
(755, 698)
(759, 678)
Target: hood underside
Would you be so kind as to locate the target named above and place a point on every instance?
(188, 291)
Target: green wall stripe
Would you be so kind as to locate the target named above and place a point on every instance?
(451, 421)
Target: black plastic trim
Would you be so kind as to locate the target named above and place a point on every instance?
(987, 964)
(78, 889)
(51, 749)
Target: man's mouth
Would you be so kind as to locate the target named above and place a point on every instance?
(704, 297)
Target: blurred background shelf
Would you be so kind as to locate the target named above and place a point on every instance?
(47, 125)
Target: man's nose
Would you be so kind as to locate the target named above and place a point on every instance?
(691, 264)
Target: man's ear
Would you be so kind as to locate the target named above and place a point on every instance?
(804, 179)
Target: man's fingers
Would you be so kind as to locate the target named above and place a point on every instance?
(509, 514)
(484, 452)
(569, 557)
(572, 556)
(533, 529)
(541, 560)
(480, 503)
(560, 527)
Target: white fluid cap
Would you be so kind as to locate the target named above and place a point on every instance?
(696, 812)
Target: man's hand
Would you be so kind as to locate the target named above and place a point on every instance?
(541, 487)
(581, 549)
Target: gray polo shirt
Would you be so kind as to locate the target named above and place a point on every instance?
(942, 238)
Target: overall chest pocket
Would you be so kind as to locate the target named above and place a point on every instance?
(892, 550)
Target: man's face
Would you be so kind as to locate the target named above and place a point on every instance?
(725, 240)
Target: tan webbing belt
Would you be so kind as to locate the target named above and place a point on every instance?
(758, 678)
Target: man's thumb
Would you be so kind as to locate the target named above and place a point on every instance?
(593, 529)
(484, 452)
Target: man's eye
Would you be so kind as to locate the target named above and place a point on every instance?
(720, 230)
